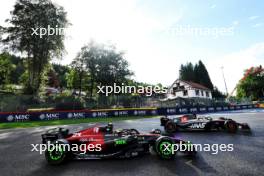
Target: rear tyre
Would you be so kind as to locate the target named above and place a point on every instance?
(164, 148)
(231, 126)
(170, 127)
(208, 127)
(163, 121)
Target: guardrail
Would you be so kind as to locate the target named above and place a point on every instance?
(104, 113)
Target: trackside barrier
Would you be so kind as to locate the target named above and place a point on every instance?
(82, 114)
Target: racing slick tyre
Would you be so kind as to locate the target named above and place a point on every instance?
(231, 126)
(57, 155)
(163, 121)
(170, 127)
(208, 127)
(164, 148)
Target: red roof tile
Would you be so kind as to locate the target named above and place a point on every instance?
(195, 85)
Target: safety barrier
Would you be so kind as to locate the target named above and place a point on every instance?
(104, 113)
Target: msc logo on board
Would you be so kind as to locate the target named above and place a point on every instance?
(18, 117)
(76, 115)
(49, 116)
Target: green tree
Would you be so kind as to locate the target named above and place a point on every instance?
(197, 73)
(201, 75)
(78, 64)
(113, 68)
(28, 15)
(252, 85)
(72, 78)
(61, 71)
(90, 54)
(103, 64)
(187, 72)
(19, 69)
(53, 80)
(6, 67)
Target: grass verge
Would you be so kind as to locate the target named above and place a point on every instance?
(66, 121)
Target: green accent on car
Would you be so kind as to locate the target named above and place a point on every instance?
(58, 154)
(165, 151)
(120, 142)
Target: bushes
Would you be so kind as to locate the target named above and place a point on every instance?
(66, 101)
(69, 103)
(12, 102)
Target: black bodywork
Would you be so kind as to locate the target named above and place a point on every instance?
(190, 122)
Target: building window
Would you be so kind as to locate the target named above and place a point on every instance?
(207, 94)
(174, 90)
(197, 92)
(185, 93)
(202, 93)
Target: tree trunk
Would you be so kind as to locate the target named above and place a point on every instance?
(80, 87)
(91, 89)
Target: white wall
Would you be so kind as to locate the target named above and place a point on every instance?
(191, 92)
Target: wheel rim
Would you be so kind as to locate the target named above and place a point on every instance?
(56, 155)
(165, 152)
(231, 127)
(170, 127)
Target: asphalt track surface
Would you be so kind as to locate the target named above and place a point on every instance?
(247, 158)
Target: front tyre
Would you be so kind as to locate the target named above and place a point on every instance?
(164, 147)
(56, 155)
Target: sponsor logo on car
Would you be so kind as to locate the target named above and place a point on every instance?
(198, 125)
(120, 142)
